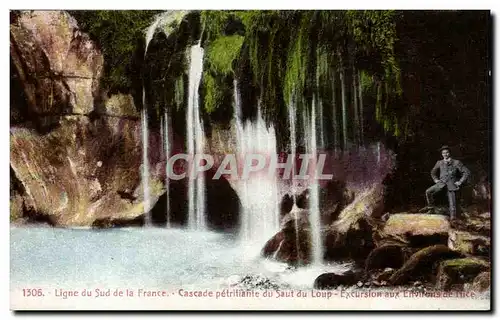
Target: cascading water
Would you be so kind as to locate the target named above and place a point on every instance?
(195, 141)
(258, 193)
(378, 152)
(314, 214)
(166, 21)
(161, 20)
(145, 134)
(321, 125)
(166, 147)
(145, 164)
(292, 115)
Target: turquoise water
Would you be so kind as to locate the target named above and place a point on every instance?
(142, 257)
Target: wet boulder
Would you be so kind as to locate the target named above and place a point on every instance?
(292, 244)
(273, 245)
(454, 273)
(416, 230)
(332, 280)
(388, 256)
(350, 236)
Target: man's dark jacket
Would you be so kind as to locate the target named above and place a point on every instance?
(449, 173)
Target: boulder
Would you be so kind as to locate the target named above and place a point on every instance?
(292, 244)
(350, 236)
(332, 280)
(421, 264)
(367, 205)
(454, 273)
(416, 230)
(388, 256)
(273, 245)
(482, 282)
(469, 243)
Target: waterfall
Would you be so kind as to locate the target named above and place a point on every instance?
(195, 141)
(314, 214)
(321, 125)
(145, 163)
(357, 138)
(292, 115)
(360, 93)
(145, 134)
(378, 153)
(344, 107)
(166, 21)
(336, 132)
(258, 193)
(166, 152)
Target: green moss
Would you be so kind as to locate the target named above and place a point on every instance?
(289, 52)
(213, 92)
(120, 35)
(179, 92)
(223, 51)
(465, 263)
(298, 60)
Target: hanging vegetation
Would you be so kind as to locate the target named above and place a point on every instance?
(345, 58)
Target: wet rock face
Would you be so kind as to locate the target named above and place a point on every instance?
(292, 244)
(76, 153)
(80, 171)
(58, 65)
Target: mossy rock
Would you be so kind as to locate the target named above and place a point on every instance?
(416, 230)
(421, 265)
(452, 274)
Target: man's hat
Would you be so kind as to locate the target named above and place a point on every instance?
(445, 147)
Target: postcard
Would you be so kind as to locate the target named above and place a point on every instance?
(330, 160)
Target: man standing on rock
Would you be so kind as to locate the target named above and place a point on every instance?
(452, 174)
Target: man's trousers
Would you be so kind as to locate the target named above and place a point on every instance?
(452, 200)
